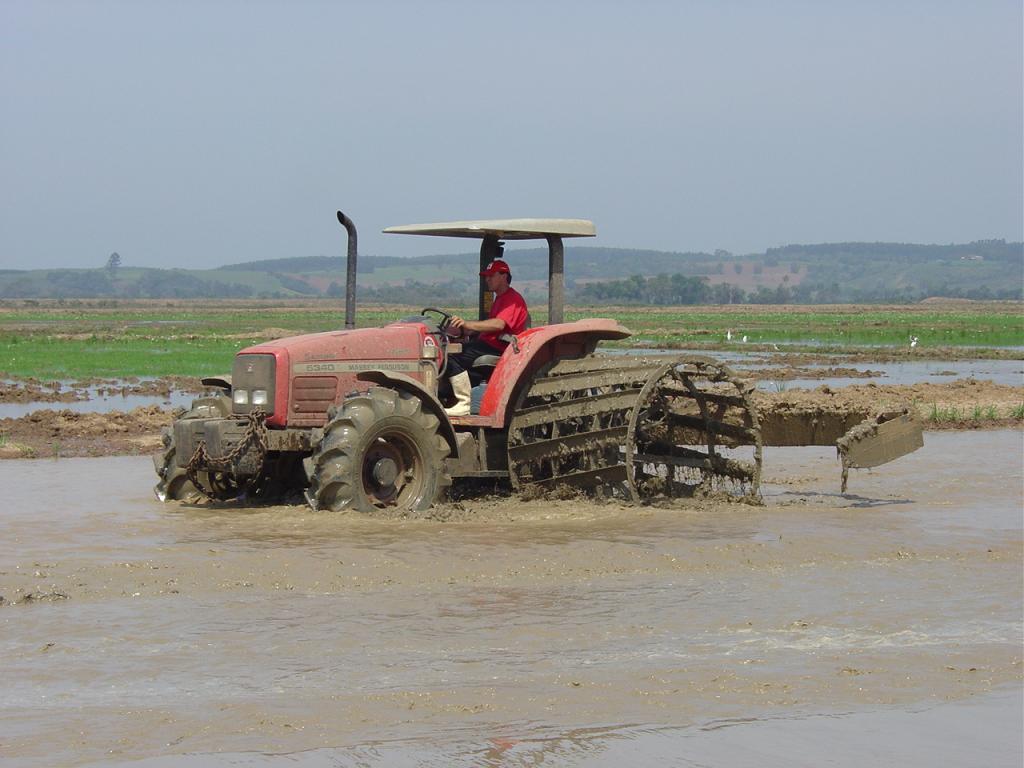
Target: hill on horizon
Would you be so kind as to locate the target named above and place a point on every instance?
(801, 273)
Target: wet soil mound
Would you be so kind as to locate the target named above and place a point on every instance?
(803, 417)
(67, 433)
(817, 417)
(36, 391)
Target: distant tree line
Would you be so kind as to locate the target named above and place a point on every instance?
(94, 283)
(673, 290)
(452, 293)
(660, 290)
(809, 274)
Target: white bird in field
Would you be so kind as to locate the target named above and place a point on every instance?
(744, 338)
(775, 347)
(913, 341)
(728, 335)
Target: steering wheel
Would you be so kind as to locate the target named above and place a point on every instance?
(443, 336)
(443, 323)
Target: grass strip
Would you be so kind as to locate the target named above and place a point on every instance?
(201, 337)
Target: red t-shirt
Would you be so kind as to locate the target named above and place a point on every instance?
(510, 307)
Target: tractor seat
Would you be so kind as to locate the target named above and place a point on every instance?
(482, 368)
(480, 373)
(484, 365)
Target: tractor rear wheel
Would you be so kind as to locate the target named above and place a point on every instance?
(380, 452)
(695, 431)
(569, 425)
(636, 428)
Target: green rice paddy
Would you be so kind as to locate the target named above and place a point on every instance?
(116, 339)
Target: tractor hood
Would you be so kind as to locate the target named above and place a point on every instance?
(395, 341)
(314, 371)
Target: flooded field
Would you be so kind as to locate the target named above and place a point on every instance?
(878, 627)
(772, 372)
(18, 398)
(1003, 372)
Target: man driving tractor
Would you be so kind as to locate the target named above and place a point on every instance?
(508, 315)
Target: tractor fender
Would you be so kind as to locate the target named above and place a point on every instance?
(537, 346)
(210, 407)
(430, 403)
(218, 382)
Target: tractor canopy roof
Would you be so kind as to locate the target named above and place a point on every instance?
(502, 229)
(492, 231)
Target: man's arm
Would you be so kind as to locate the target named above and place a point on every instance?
(490, 325)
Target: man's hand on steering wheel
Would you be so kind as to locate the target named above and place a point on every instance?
(445, 324)
(456, 326)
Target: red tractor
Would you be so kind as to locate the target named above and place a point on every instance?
(354, 417)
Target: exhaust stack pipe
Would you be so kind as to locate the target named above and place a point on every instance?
(350, 274)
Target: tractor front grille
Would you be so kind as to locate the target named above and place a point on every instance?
(313, 394)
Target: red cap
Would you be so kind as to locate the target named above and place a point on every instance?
(495, 267)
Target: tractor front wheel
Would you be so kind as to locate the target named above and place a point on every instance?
(173, 484)
(380, 452)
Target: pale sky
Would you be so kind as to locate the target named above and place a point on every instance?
(194, 134)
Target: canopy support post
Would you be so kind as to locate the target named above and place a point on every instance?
(556, 279)
(490, 249)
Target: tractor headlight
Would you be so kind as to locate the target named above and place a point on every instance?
(254, 377)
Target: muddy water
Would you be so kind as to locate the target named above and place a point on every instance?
(1008, 372)
(883, 626)
(99, 404)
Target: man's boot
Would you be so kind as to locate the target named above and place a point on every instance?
(462, 389)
